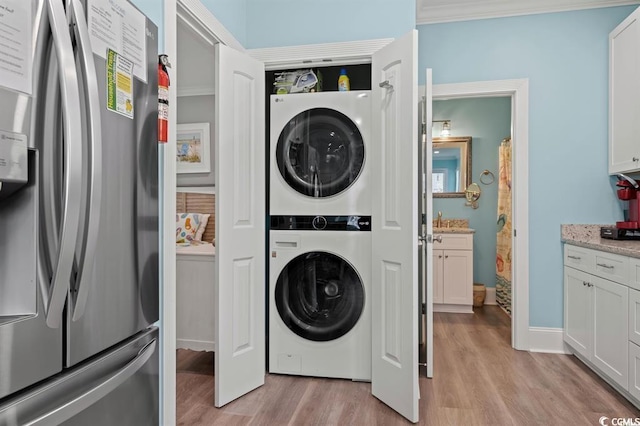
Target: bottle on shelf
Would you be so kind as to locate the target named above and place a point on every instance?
(343, 81)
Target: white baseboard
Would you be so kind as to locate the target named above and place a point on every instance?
(490, 297)
(547, 340)
(452, 309)
(196, 345)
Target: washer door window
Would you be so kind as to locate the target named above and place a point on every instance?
(319, 296)
(320, 152)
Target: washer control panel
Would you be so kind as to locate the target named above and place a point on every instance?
(321, 223)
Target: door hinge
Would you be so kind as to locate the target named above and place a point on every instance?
(424, 128)
(424, 308)
(515, 234)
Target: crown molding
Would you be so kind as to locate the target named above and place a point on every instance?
(466, 10)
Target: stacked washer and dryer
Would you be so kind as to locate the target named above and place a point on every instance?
(320, 239)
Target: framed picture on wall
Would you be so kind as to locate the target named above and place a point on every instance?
(193, 148)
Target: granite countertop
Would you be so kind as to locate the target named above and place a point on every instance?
(589, 236)
(452, 226)
(453, 230)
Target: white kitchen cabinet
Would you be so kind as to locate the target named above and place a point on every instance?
(601, 315)
(453, 273)
(624, 96)
(634, 316)
(577, 311)
(610, 325)
(634, 370)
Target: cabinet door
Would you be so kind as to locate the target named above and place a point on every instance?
(577, 311)
(610, 328)
(438, 276)
(624, 95)
(458, 277)
(634, 370)
(634, 316)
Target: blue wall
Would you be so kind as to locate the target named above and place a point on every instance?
(487, 121)
(272, 23)
(565, 57)
(233, 14)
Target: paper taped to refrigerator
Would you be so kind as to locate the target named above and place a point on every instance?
(16, 27)
(13, 157)
(119, 84)
(117, 25)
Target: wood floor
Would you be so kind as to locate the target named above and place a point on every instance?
(479, 380)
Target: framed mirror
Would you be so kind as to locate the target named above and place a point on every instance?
(451, 166)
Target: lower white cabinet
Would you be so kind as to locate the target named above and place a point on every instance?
(453, 273)
(610, 325)
(634, 370)
(601, 317)
(578, 311)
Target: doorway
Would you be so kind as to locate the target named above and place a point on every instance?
(517, 91)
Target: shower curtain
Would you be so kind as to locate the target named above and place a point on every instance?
(503, 246)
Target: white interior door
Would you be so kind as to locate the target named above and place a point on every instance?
(428, 209)
(395, 226)
(240, 224)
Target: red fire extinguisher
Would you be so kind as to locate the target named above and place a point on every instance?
(163, 98)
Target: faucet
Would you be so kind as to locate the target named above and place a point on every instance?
(439, 222)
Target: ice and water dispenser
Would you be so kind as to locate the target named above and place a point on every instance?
(18, 227)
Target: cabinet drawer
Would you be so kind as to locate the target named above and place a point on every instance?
(612, 267)
(634, 273)
(606, 265)
(579, 258)
(454, 242)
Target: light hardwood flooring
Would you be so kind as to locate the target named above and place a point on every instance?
(478, 380)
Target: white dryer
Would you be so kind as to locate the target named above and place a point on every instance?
(320, 296)
(319, 143)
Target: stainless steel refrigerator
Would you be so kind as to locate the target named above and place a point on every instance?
(79, 264)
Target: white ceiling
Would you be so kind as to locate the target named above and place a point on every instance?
(432, 11)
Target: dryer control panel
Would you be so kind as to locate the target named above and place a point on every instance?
(321, 223)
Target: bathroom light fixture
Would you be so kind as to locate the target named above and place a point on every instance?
(446, 127)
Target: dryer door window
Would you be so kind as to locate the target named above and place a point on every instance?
(320, 152)
(319, 296)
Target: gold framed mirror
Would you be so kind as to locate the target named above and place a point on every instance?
(451, 166)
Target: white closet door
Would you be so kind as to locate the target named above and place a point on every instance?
(395, 226)
(240, 224)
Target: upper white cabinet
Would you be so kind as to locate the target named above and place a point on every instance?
(624, 96)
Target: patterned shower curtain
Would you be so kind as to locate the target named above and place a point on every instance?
(503, 246)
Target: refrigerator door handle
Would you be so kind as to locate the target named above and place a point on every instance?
(70, 95)
(85, 258)
(66, 411)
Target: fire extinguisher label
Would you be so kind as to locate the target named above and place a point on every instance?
(163, 111)
(163, 94)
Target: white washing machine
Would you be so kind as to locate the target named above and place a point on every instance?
(320, 296)
(319, 143)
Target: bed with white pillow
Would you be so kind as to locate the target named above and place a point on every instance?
(195, 284)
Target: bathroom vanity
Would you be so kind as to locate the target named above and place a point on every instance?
(453, 270)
